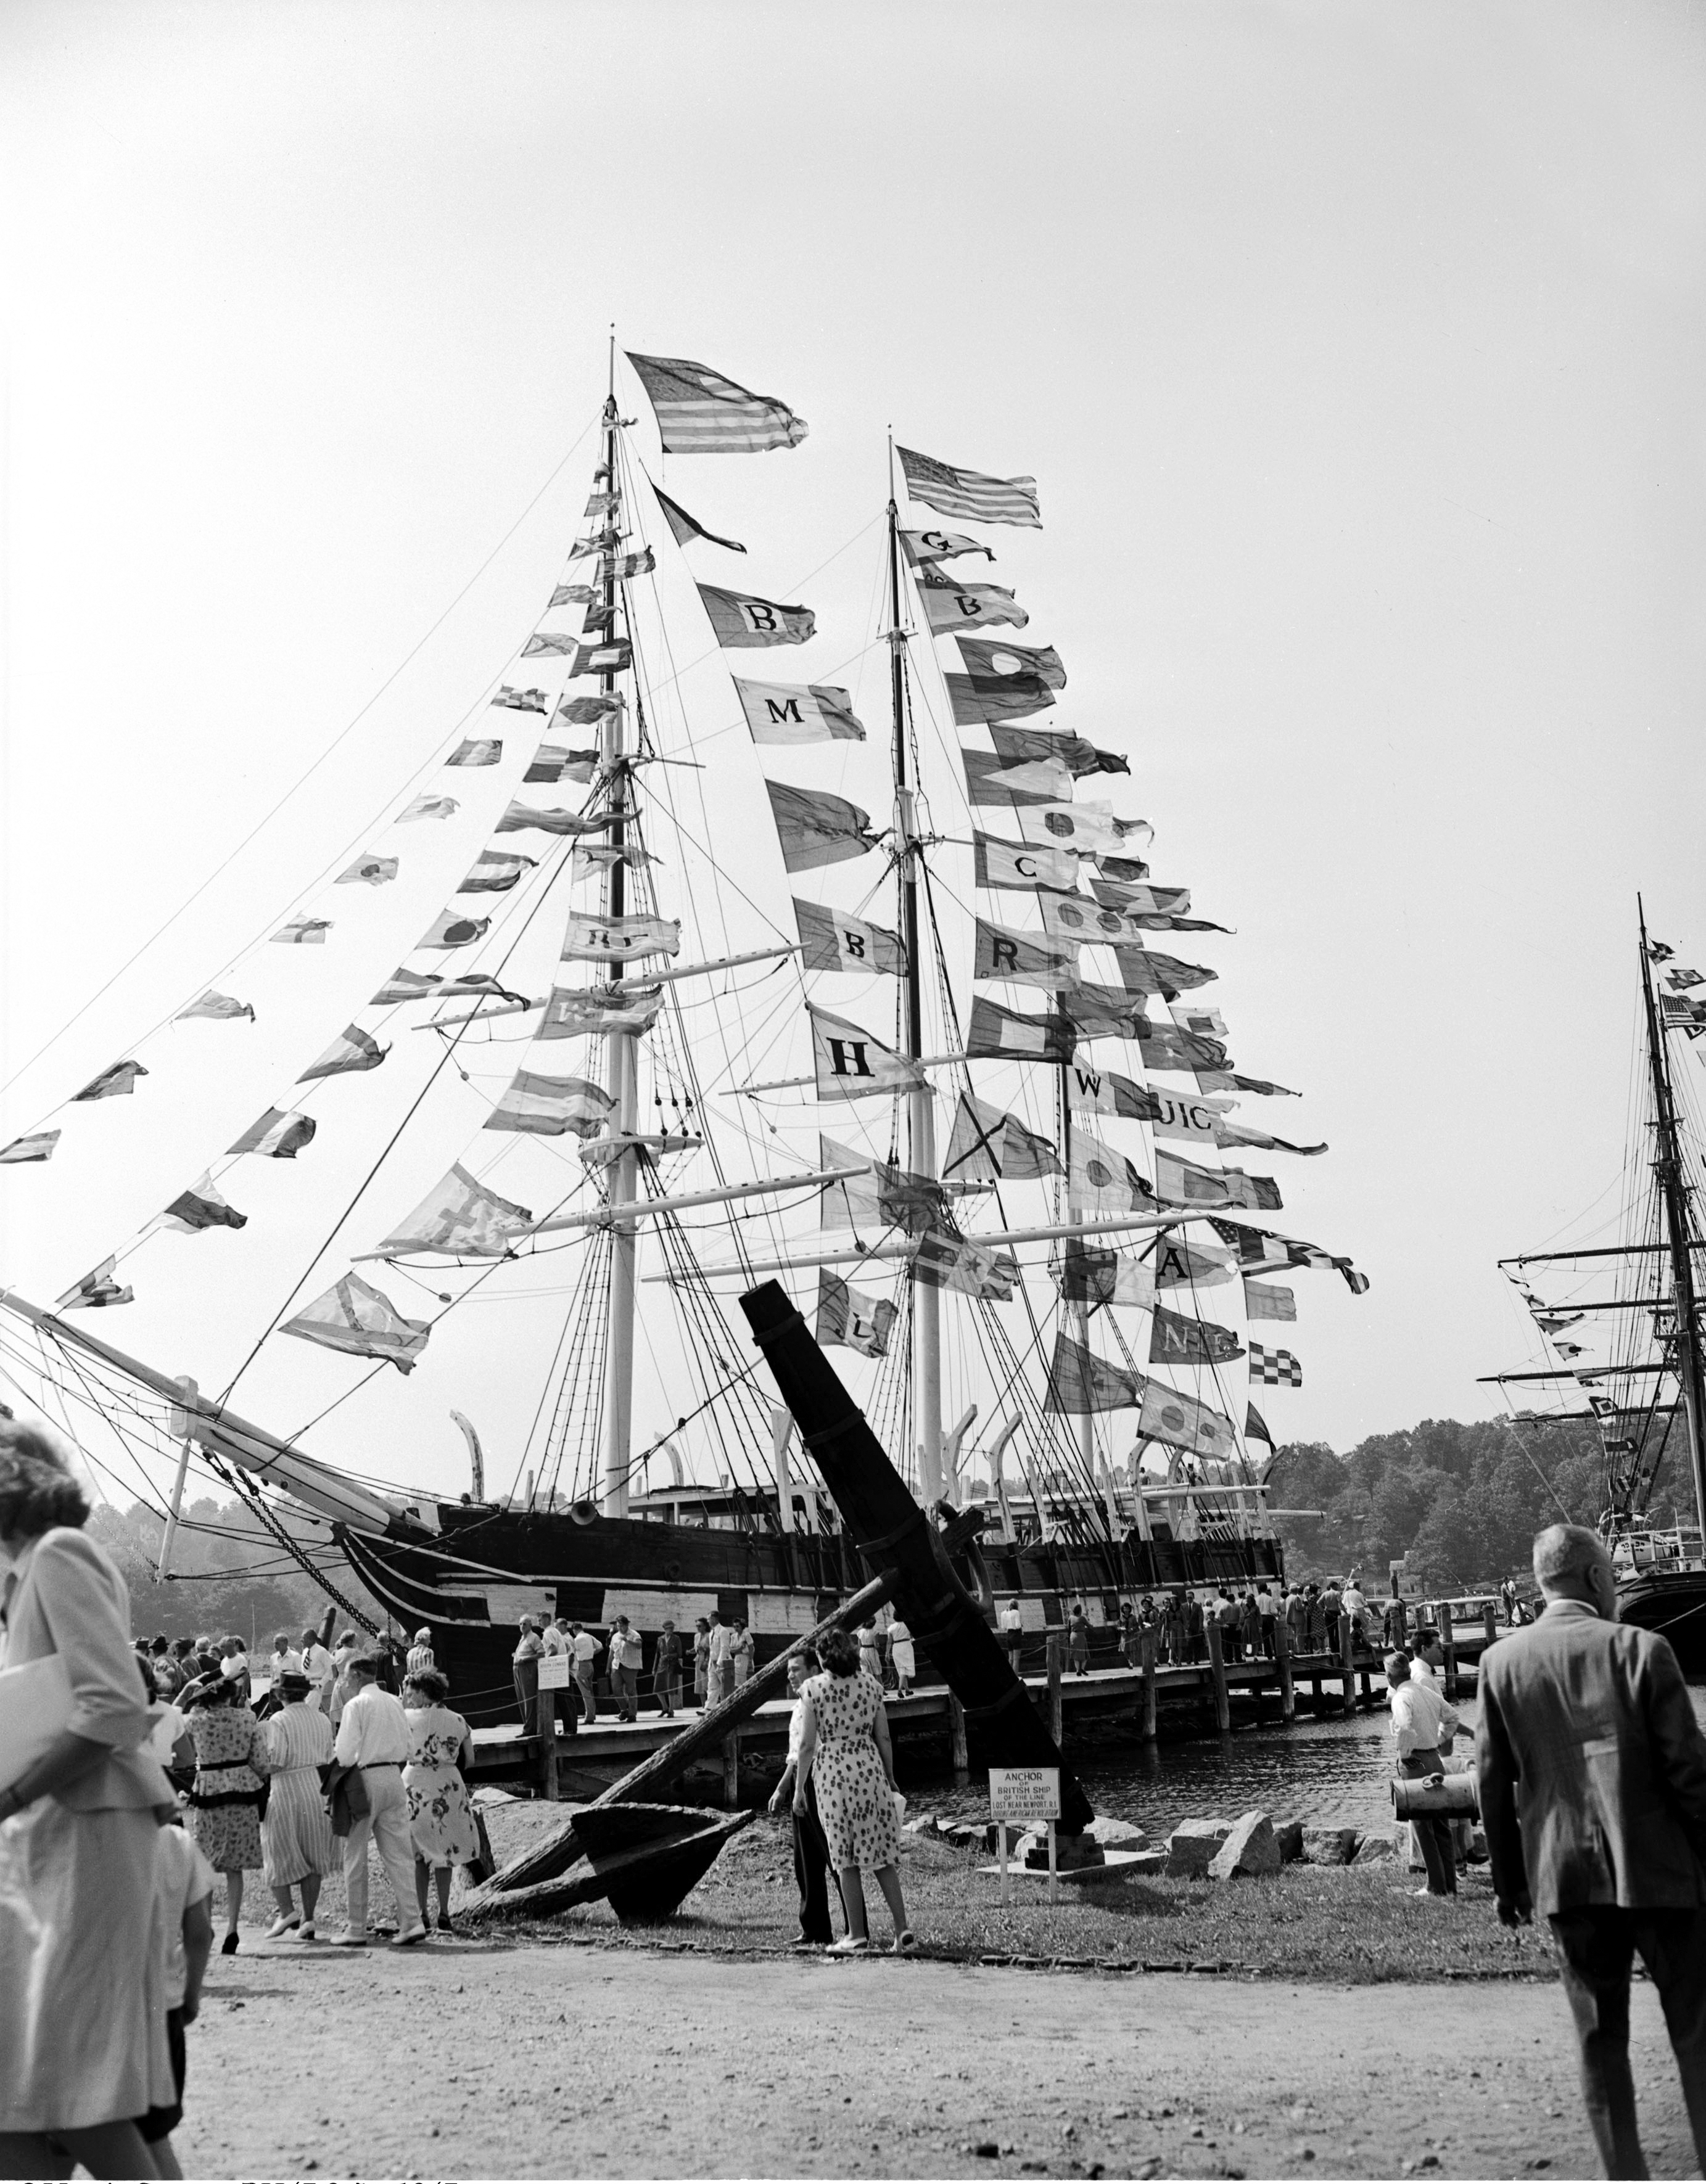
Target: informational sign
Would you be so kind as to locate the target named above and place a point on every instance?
(553, 1672)
(1024, 1793)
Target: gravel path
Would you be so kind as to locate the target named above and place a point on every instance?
(482, 2059)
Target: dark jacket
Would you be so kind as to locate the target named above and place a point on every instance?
(1587, 1724)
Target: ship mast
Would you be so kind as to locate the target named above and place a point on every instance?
(926, 1317)
(622, 1052)
(1674, 1192)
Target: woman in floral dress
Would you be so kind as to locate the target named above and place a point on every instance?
(441, 1818)
(845, 1749)
(232, 1762)
(295, 1834)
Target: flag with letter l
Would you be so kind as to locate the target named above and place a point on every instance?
(1274, 1368)
(592, 939)
(997, 863)
(551, 1106)
(37, 1146)
(797, 712)
(278, 1134)
(353, 1048)
(201, 1206)
(737, 619)
(362, 1321)
(969, 494)
(849, 1064)
(1268, 1301)
(98, 1287)
(688, 528)
(1176, 1338)
(460, 1216)
(830, 940)
(816, 827)
(987, 1143)
(699, 412)
(998, 1035)
(853, 1317)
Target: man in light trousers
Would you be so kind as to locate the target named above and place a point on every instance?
(373, 1734)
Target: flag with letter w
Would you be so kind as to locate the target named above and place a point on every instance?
(969, 494)
(797, 712)
(740, 619)
(849, 1064)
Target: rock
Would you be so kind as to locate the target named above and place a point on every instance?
(959, 1833)
(1117, 1835)
(1375, 1850)
(925, 1825)
(1288, 1835)
(1147, 1861)
(1192, 1844)
(1072, 1852)
(992, 1838)
(1251, 1848)
(1327, 1846)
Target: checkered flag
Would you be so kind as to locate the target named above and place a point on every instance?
(1274, 1368)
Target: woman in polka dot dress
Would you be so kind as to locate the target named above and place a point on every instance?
(845, 1749)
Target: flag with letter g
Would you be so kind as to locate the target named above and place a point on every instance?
(849, 1064)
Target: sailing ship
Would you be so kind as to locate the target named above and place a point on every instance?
(632, 1006)
(1634, 1356)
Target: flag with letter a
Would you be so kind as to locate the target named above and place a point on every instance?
(543, 1106)
(1274, 1368)
(1182, 1266)
(737, 619)
(849, 1064)
(699, 412)
(831, 940)
(816, 827)
(853, 1317)
(797, 712)
(969, 494)
(362, 1321)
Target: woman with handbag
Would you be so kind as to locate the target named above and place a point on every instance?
(228, 1796)
(83, 2048)
(442, 1826)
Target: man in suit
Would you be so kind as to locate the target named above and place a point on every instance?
(1587, 1721)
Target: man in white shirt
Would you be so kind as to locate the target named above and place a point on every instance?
(1011, 1625)
(555, 1637)
(1264, 1608)
(722, 1661)
(625, 1656)
(316, 1666)
(1357, 1608)
(585, 1648)
(812, 1872)
(1420, 1717)
(373, 1734)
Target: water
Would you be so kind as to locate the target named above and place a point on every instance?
(1333, 1773)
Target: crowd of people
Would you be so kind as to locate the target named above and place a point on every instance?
(160, 1780)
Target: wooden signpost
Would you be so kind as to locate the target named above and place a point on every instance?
(1025, 1794)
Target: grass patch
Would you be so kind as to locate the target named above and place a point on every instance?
(1361, 1926)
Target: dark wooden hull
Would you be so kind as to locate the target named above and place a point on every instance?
(1674, 1604)
(471, 1582)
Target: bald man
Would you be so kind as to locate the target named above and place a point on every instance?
(1587, 1721)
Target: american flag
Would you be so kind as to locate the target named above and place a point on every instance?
(969, 493)
(701, 413)
(1274, 1368)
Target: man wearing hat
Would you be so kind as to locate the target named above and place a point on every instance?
(373, 1734)
(1420, 1717)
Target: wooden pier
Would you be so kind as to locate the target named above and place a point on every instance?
(1120, 1701)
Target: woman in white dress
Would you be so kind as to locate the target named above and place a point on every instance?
(296, 1834)
(845, 1749)
(440, 1816)
(83, 2049)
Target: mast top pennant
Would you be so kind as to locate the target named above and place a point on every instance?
(700, 413)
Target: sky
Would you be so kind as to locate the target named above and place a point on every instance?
(1356, 352)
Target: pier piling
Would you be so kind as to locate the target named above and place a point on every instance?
(1448, 1643)
(731, 1769)
(1146, 1645)
(545, 1706)
(1282, 1656)
(958, 1747)
(1347, 1656)
(1057, 1651)
(1217, 1676)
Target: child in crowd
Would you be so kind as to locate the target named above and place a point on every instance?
(183, 1942)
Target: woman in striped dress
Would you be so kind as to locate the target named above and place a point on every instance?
(296, 1834)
